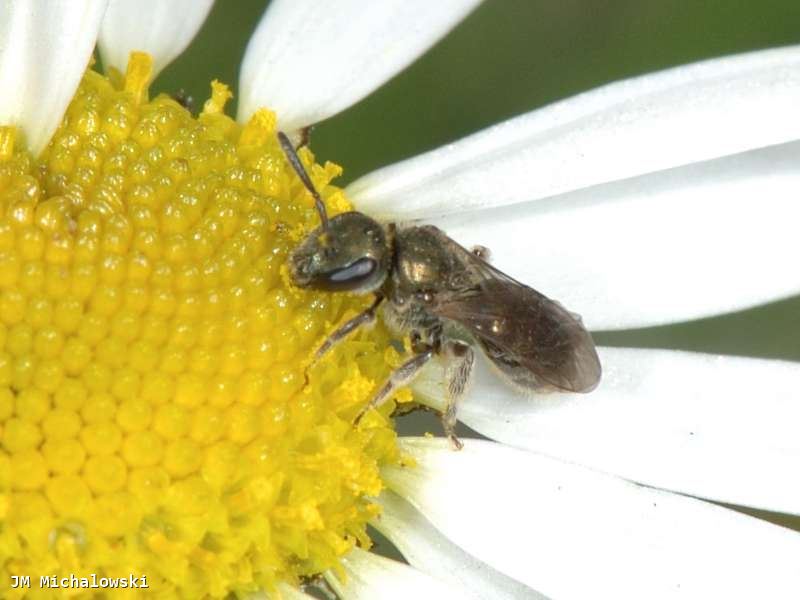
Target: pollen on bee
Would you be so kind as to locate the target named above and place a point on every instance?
(154, 413)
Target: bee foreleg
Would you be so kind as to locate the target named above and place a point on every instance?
(403, 375)
(459, 360)
(361, 319)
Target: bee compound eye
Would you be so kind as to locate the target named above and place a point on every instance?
(350, 277)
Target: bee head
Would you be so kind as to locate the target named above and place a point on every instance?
(350, 254)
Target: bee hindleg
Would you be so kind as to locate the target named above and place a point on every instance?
(459, 358)
(403, 375)
(363, 318)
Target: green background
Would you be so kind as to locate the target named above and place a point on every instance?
(511, 56)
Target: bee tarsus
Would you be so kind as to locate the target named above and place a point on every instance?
(449, 299)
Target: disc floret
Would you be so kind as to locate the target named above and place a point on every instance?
(155, 417)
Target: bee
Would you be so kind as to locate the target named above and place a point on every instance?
(185, 100)
(448, 299)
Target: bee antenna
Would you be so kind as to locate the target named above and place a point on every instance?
(294, 160)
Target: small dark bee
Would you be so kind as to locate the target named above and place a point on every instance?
(185, 100)
(448, 299)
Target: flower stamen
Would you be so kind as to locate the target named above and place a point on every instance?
(154, 416)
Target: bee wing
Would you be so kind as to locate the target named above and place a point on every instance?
(531, 339)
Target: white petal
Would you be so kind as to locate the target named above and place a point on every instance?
(45, 46)
(658, 121)
(718, 427)
(162, 29)
(574, 533)
(425, 548)
(370, 576)
(308, 61)
(676, 245)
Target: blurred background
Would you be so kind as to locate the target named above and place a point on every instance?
(509, 57)
(512, 56)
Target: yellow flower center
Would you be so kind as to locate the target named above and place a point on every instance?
(154, 414)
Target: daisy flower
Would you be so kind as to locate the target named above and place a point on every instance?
(156, 421)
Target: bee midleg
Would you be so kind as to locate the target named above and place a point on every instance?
(401, 376)
(361, 319)
(459, 361)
